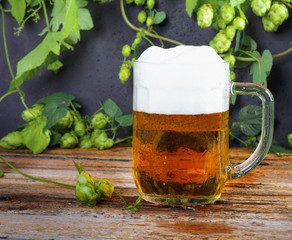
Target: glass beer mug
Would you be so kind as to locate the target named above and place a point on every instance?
(180, 125)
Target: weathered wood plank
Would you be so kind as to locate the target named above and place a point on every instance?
(256, 206)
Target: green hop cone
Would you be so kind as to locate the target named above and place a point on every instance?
(99, 120)
(105, 187)
(150, 4)
(227, 12)
(232, 76)
(278, 13)
(85, 141)
(69, 140)
(31, 113)
(84, 177)
(12, 140)
(132, 61)
(66, 122)
(205, 16)
(221, 23)
(126, 51)
(124, 75)
(86, 193)
(136, 42)
(260, 7)
(230, 32)
(239, 23)
(142, 16)
(108, 143)
(138, 2)
(231, 59)
(79, 128)
(290, 139)
(149, 21)
(220, 43)
(269, 26)
(100, 140)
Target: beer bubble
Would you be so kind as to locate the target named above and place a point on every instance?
(181, 80)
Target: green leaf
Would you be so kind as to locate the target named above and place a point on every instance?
(233, 99)
(245, 5)
(237, 41)
(125, 121)
(31, 64)
(55, 138)
(250, 120)
(159, 17)
(82, 168)
(241, 14)
(81, 3)
(18, 81)
(32, 3)
(88, 119)
(55, 66)
(111, 108)
(54, 114)
(249, 43)
(267, 61)
(256, 54)
(190, 6)
(241, 64)
(1, 173)
(277, 147)
(56, 107)
(18, 9)
(77, 167)
(236, 3)
(33, 136)
(84, 19)
(137, 52)
(58, 98)
(77, 105)
(71, 19)
(58, 15)
(52, 63)
(258, 73)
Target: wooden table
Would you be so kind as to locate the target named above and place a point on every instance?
(256, 206)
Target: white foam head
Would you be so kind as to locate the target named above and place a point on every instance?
(181, 80)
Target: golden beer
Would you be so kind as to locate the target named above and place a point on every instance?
(180, 159)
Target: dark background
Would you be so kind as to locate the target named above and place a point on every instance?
(90, 72)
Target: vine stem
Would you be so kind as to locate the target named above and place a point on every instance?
(8, 60)
(123, 200)
(253, 59)
(122, 140)
(46, 15)
(35, 178)
(142, 29)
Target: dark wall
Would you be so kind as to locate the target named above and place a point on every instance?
(90, 72)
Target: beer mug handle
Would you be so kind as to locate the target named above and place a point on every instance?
(267, 126)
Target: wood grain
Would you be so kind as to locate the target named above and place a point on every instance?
(256, 206)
